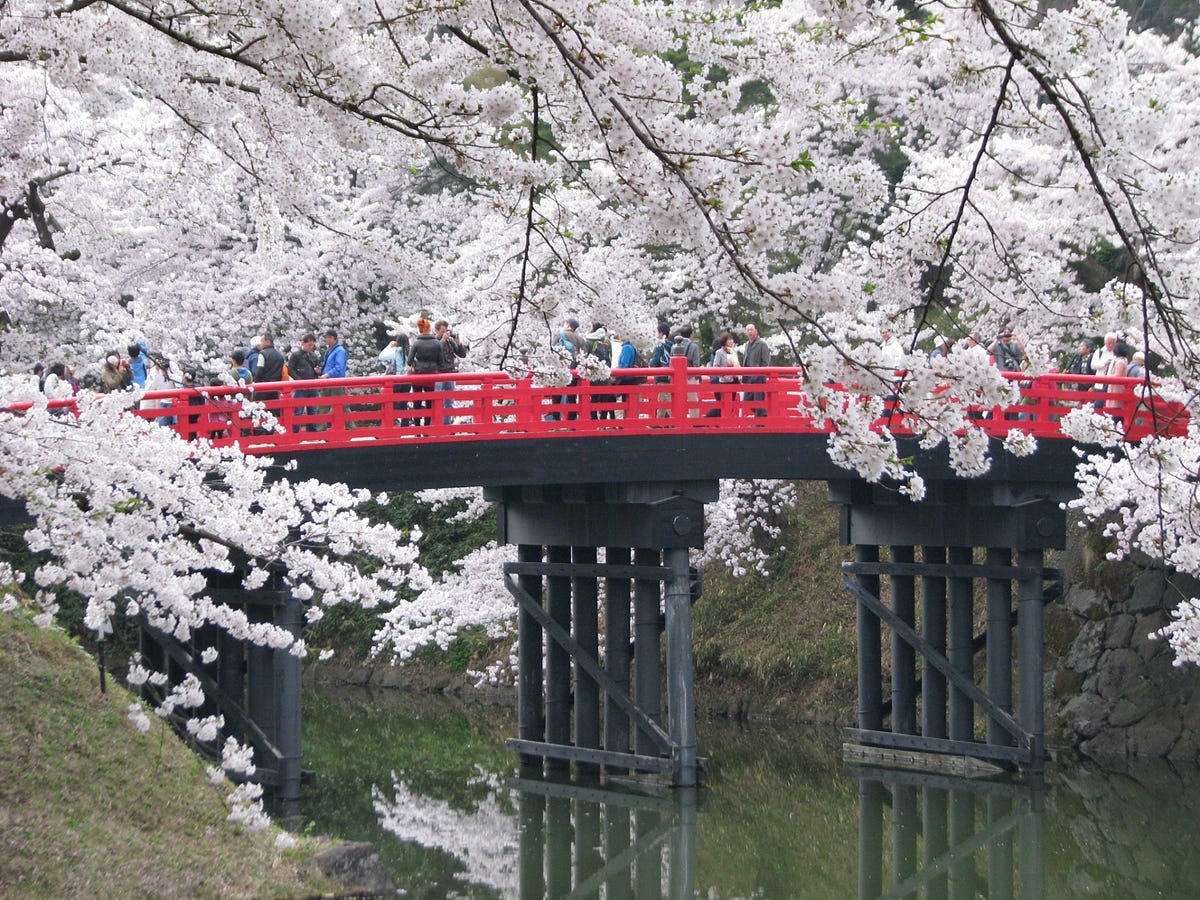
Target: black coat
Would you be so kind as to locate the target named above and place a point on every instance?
(426, 355)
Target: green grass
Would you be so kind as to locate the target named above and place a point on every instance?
(90, 807)
(782, 645)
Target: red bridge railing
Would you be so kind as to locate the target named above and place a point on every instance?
(326, 414)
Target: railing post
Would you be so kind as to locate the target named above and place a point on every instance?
(531, 718)
(1030, 650)
(679, 389)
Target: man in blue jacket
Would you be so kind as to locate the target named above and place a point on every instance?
(335, 357)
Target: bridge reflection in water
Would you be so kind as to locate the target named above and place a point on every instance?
(920, 835)
(578, 841)
(949, 837)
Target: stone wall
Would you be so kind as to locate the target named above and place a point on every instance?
(1114, 689)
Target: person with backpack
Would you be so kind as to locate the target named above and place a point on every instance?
(660, 358)
(684, 346)
(629, 357)
(570, 345)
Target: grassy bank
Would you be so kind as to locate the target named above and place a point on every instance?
(90, 807)
(782, 646)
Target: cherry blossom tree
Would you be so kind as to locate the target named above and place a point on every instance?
(190, 174)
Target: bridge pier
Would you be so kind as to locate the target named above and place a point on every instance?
(967, 537)
(255, 688)
(604, 712)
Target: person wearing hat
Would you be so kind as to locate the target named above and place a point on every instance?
(114, 376)
(599, 345)
(1008, 352)
(570, 339)
(139, 363)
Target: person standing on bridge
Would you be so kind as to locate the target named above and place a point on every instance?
(139, 363)
(1081, 364)
(569, 345)
(425, 358)
(453, 349)
(304, 365)
(333, 366)
(1008, 352)
(113, 375)
(1116, 393)
(395, 362)
(661, 359)
(268, 367)
(755, 354)
(724, 357)
(891, 350)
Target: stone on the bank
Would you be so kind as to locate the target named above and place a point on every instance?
(356, 865)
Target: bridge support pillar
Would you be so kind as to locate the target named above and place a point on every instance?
(967, 538)
(256, 689)
(602, 710)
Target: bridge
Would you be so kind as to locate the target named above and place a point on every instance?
(494, 430)
(626, 469)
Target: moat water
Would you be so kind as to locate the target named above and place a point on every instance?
(429, 782)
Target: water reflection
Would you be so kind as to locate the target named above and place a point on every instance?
(587, 842)
(431, 785)
(485, 841)
(927, 835)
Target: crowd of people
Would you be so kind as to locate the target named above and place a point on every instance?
(1111, 357)
(435, 349)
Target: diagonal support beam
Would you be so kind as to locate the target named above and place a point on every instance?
(956, 854)
(588, 663)
(939, 662)
(228, 706)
